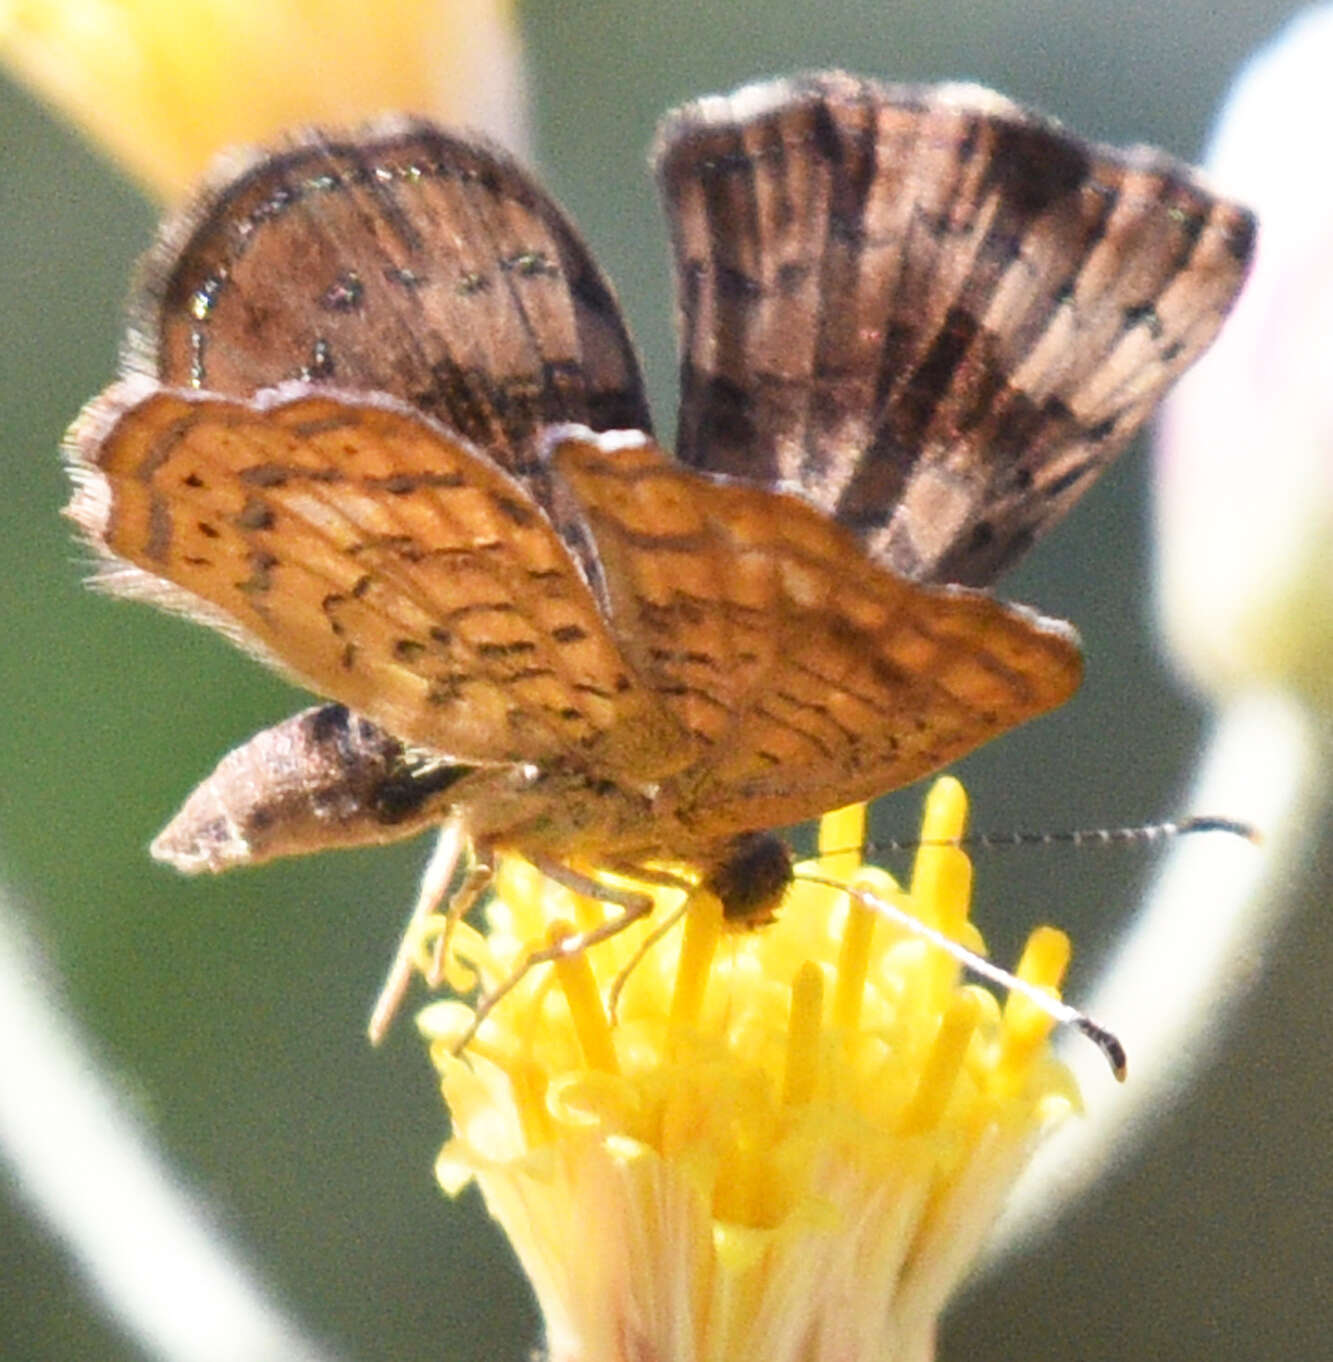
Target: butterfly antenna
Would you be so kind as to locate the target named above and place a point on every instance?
(1061, 1013)
(1078, 837)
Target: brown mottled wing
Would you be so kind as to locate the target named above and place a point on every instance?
(933, 314)
(398, 259)
(805, 675)
(374, 556)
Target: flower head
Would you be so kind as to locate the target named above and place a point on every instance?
(166, 84)
(1245, 459)
(790, 1142)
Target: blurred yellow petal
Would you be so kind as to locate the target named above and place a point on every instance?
(778, 1167)
(165, 84)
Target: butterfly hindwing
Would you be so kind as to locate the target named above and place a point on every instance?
(933, 314)
(401, 259)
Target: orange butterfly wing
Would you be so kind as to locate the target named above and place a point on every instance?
(372, 555)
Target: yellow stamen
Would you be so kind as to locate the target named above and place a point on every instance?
(943, 1064)
(858, 935)
(588, 913)
(528, 1082)
(804, 1031)
(585, 1004)
(942, 875)
(945, 816)
(703, 926)
(1026, 1026)
(842, 834)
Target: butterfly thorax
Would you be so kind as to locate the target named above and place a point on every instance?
(565, 815)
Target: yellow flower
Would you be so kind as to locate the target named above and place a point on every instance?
(790, 1143)
(165, 84)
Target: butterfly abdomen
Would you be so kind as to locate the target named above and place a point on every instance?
(324, 778)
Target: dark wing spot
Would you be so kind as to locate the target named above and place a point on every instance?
(530, 264)
(255, 515)
(514, 510)
(397, 274)
(1144, 314)
(265, 475)
(321, 362)
(345, 294)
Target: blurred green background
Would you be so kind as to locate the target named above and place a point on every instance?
(233, 1011)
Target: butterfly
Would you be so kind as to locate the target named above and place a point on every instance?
(380, 421)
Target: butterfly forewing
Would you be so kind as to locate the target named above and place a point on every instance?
(806, 675)
(382, 561)
(404, 260)
(935, 315)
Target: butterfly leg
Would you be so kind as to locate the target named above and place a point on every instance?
(650, 875)
(435, 882)
(475, 883)
(648, 942)
(633, 905)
